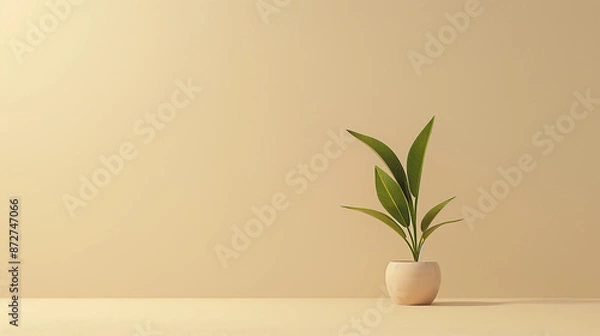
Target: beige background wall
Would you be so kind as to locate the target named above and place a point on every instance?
(273, 89)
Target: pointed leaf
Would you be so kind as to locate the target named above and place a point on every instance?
(430, 215)
(435, 227)
(416, 156)
(389, 157)
(382, 217)
(391, 197)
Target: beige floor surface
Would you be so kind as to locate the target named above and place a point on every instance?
(274, 317)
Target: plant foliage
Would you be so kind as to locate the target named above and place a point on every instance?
(398, 193)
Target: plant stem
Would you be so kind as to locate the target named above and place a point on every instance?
(412, 239)
(410, 242)
(415, 222)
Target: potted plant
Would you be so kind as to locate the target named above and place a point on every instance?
(409, 282)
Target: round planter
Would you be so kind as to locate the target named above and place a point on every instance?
(413, 283)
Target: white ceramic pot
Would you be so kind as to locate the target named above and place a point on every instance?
(413, 283)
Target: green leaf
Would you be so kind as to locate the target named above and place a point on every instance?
(391, 197)
(382, 217)
(430, 215)
(416, 156)
(389, 157)
(435, 227)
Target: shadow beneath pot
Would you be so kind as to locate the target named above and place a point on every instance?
(513, 302)
(553, 301)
